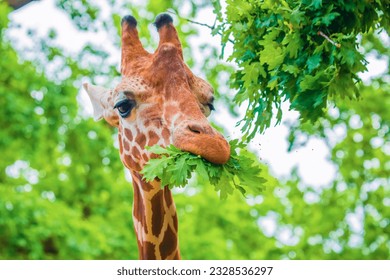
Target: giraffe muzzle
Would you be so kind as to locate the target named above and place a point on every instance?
(203, 140)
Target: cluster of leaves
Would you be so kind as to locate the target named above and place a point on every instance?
(301, 51)
(362, 157)
(175, 167)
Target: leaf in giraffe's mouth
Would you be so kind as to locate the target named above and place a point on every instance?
(175, 167)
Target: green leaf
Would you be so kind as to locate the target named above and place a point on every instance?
(156, 149)
(316, 4)
(292, 69)
(328, 18)
(313, 62)
(293, 44)
(155, 167)
(179, 171)
(175, 168)
(309, 82)
(272, 55)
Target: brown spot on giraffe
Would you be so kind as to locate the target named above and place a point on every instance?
(153, 138)
(157, 210)
(126, 144)
(144, 185)
(135, 153)
(141, 140)
(158, 101)
(139, 208)
(130, 163)
(120, 144)
(145, 157)
(128, 134)
(169, 243)
(165, 133)
(148, 250)
(168, 197)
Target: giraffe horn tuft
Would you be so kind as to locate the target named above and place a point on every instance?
(130, 20)
(167, 33)
(162, 19)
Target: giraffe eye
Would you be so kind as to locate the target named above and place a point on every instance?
(211, 106)
(124, 107)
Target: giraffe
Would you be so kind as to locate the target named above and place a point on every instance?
(159, 101)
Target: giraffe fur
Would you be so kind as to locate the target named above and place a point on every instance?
(159, 101)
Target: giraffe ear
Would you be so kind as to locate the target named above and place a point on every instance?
(95, 94)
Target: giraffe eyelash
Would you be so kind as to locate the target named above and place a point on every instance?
(124, 107)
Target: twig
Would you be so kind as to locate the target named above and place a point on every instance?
(192, 21)
(329, 40)
(200, 23)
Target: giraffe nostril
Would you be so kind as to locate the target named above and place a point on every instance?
(195, 128)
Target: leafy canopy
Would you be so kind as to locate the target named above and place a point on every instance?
(304, 52)
(175, 167)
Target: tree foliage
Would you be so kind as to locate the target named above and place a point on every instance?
(175, 167)
(358, 197)
(304, 52)
(55, 186)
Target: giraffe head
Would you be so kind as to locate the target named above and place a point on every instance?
(158, 101)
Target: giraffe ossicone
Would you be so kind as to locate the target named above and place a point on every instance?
(159, 101)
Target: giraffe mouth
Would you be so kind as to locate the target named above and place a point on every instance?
(210, 146)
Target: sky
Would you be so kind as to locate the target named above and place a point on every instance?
(311, 161)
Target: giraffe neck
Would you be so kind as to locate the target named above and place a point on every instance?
(155, 220)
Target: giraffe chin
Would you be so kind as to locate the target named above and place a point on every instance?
(213, 148)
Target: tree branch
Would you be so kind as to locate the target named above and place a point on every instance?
(337, 45)
(199, 23)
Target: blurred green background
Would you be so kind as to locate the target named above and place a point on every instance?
(64, 193)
